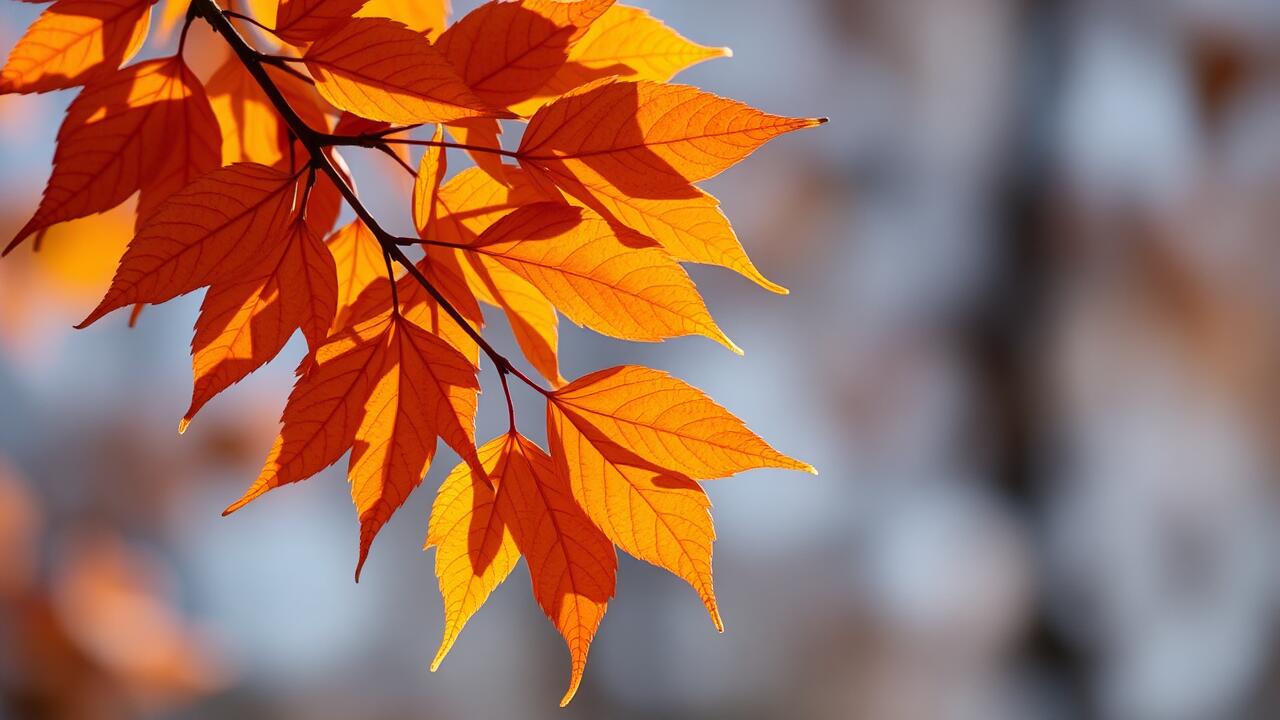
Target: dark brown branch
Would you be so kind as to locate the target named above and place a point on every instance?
(315, 142)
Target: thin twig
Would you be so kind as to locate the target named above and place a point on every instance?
(392, 154)
(278, 61)
(250, 20)
(370, 140)
(391, 278)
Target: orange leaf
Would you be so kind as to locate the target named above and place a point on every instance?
(359, 261)
(466, 206)
(667, 422)
(382, 70)
(431, 170)
(386, 389)
(244, 323)
(75, 41)
(650, 140)
(611, 280)
(424, 16)
(528, 504)
(212, 230)
(302, 21)
(251, 128)
(692, 229)
(625, 42)
(481, 135)
(264, 11)
(421, 309)
(656, 515)
(535, 38)
(108, 148)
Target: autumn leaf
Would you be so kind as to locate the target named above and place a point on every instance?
(647, 139)
(537, 35)
(244, 323)
(692, 229)
(386, 389)
(252, 130)
(631, 441)
(466, 206)
(481, 140)
(264, 11)
(426, 187)
(613, 281)
(74, 41)
(424, 16)
(302, 21)
(627, 43)
(655, 515)
(108, 149)
(382, 70)
(358, 256)
(239, 180)
(481, 526)
(667, 421)
(212, 230)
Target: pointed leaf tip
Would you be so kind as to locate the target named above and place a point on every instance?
(183, 424)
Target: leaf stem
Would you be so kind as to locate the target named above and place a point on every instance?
(370, 140)
(249, 19)
(315, 142)
(392, 154)
(391, 278)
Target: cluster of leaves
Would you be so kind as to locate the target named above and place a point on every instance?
(240, 184)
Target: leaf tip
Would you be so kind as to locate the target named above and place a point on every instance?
(445, 645)
(249, 496)
(568, 696)
(183, 424)
(726, 51)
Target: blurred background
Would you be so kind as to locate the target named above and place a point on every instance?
(1032, 344)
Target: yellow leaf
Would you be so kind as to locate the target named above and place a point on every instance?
(612, 280)
(427, 16)
(628, 43)
(650, 140)
(667, 422)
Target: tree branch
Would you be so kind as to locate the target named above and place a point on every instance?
(315, 142)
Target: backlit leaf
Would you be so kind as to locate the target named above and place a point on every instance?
(667, 422)
(526, 503)
(625, 42)
(649, 140)
(109, 148)
(245, 322)
(74, 41)
(536, 35)
(386, 389)
(614, 281)
(429, 16)
(212, 230)
(303, 21)
(382, 70)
